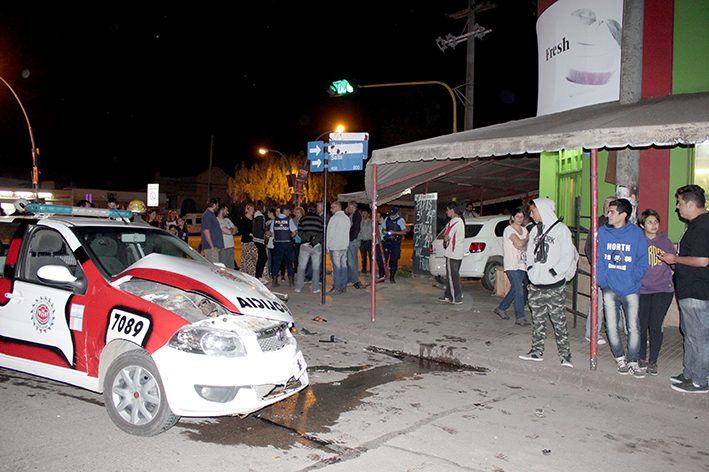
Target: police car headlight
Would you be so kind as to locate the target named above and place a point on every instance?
(209, 341)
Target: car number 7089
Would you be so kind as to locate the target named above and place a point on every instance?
(128, 326)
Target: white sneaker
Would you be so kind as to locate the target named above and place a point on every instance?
(635, 370)
(600, 340)
(622, 365)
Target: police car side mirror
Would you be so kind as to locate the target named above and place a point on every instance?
(56, 274)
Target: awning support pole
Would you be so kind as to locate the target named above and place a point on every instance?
(481, 201)
(594, 256)
(375, 229)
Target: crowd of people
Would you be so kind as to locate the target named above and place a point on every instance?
(635, 265)
(281, 241)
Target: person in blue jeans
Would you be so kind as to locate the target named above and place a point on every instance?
(515, 240)
(621, 266)
(692, 285)
(338, 240)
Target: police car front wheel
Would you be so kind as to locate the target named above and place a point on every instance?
(135, 397)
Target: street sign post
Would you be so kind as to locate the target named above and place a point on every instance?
(344, 152)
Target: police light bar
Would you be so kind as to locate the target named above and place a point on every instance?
(78, 211)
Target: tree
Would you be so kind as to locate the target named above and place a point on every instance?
(268, 179)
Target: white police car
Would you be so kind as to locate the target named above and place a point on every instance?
(131, 311)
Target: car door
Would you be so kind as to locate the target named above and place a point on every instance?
(35, 320)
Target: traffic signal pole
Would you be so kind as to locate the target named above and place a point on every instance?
(427, 82)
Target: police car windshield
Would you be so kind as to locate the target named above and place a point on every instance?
(116, 248)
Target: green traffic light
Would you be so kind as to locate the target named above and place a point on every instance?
(341, 87)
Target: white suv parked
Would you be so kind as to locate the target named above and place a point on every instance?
(483, 249)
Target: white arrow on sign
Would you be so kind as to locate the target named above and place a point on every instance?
(315, 150)
(316, 163)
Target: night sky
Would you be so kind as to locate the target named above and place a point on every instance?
(116, 94)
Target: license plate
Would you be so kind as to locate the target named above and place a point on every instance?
(299, 366)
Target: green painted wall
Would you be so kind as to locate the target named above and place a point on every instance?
(548, 167)
(690, 67)
(604, 188)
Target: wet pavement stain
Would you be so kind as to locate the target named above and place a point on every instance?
(300, 418)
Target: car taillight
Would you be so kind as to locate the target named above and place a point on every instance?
(476, 247)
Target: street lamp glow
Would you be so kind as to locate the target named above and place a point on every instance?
(262, 151)
(339, 129)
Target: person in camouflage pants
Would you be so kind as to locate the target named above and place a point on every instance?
(551, 263)
(552, 302)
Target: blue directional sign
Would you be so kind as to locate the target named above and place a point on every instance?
(345, 151)
(316, 156)
(348, 151)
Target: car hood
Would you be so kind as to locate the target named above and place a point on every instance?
(237, 291)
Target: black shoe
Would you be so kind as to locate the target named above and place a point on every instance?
(357, 285)
(522, 322)
(391, 277)
(291, 282)
(690, 387)
(679, 379)
(275, 282)
(332, 290)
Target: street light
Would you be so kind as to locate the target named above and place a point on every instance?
(35, 170)
(339, 129)
(290, 170)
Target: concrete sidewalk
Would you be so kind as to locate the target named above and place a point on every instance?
(410, 319)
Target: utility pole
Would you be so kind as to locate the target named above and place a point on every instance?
(627, 174)
(470, 70)
(473, 31)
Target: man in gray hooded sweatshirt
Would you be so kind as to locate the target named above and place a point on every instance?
(551, 262)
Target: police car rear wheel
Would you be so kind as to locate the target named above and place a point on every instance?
(134, 395)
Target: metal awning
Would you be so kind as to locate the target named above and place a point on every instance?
(498, 163)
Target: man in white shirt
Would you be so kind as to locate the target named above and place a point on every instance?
(338, 240)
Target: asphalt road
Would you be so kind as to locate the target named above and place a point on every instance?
(364, 411)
